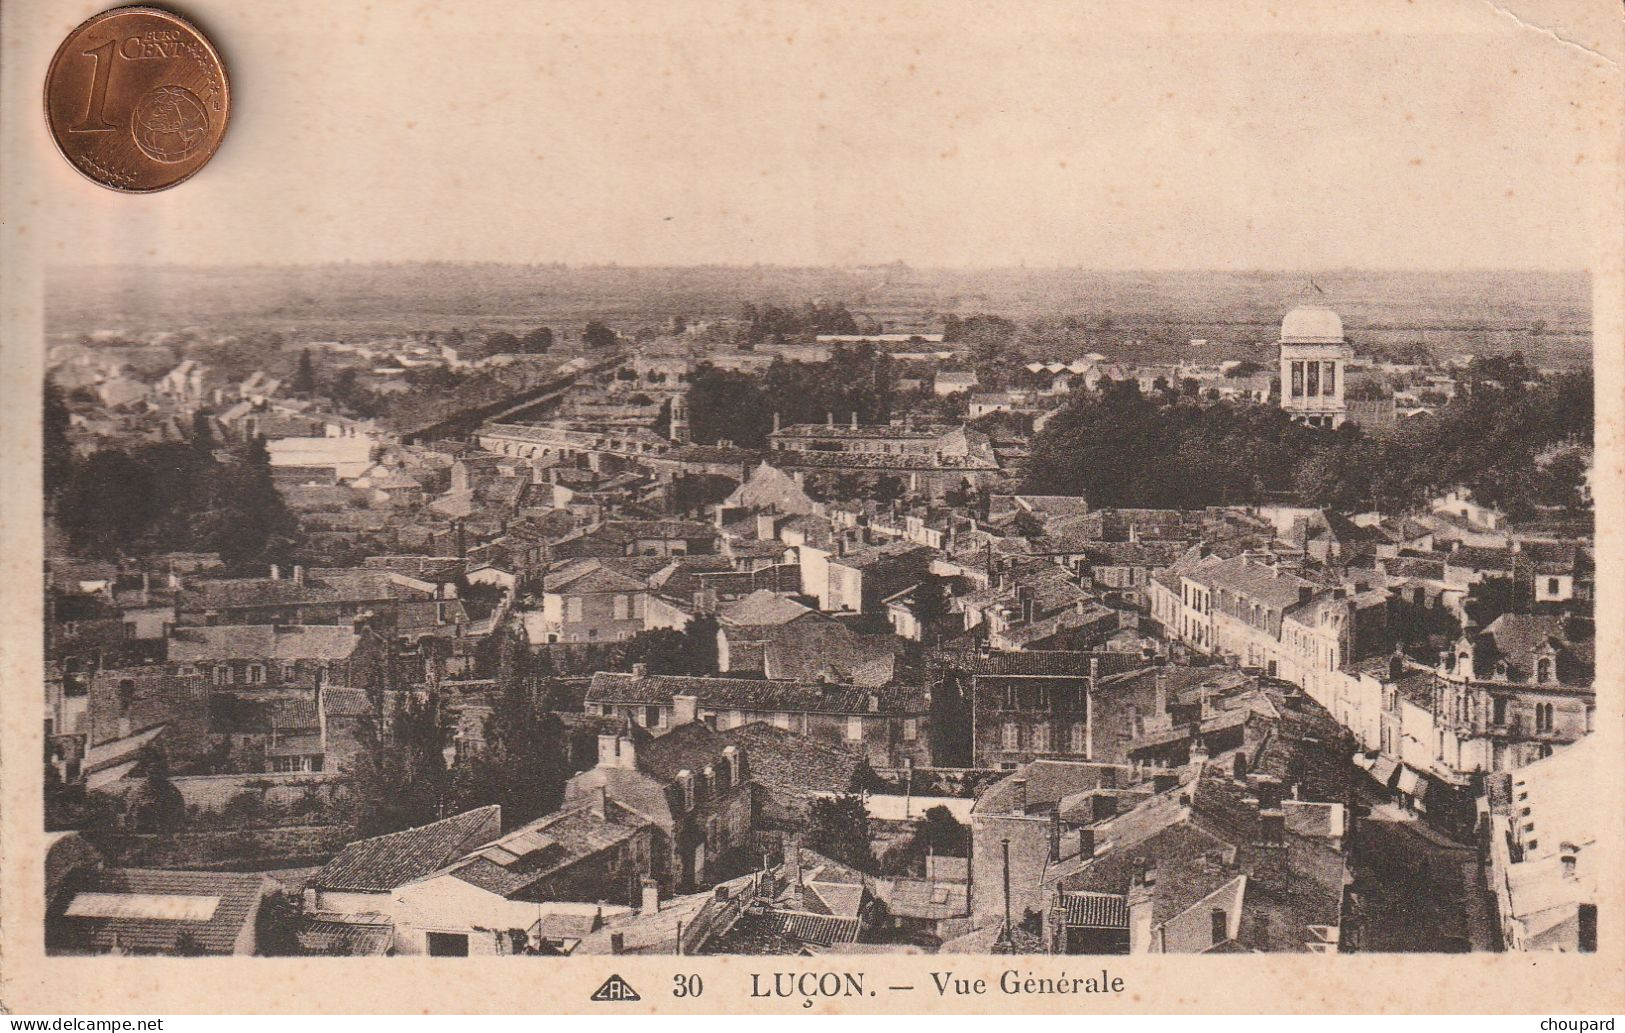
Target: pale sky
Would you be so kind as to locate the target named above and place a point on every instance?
(940, 134)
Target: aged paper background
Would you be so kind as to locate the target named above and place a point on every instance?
(420, 130)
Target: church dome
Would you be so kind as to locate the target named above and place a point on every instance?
(1311, 324)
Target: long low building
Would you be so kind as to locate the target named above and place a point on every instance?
(891, 725)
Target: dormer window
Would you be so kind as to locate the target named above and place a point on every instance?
(1545, 670)
(1500, 670)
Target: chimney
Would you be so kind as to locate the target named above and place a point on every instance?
(685, 709)
(1021, 793)
(1271, 827)
(1305, 593)
(276, 573)
(640, 670)
(626, 753)
(146, 588)
(600, 802)
(651, 896)
(829, 419)
(1267, 789)
(1086, 843)
(617, 943)
(854, 419)
(608, 750)
(775, 423)
(731, 755)
(1055, 835)
(1161, 704)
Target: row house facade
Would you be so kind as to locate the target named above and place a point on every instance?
(889, 725)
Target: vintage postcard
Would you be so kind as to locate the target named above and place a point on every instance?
(812, 507)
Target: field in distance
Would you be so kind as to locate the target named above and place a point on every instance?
(1132, 316)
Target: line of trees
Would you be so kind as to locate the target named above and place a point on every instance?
(1122, 448)
(812, 317)
(739, 407)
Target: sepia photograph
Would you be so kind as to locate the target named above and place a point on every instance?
(933, 503)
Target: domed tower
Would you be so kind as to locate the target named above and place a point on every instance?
(1313, 357)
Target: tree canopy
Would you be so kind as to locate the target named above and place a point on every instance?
(1121, 448)
(840, 831)
(739, 407)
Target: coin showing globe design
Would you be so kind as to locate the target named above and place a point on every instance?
(136, 99)
(170, 124)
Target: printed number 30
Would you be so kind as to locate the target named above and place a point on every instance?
(687, 986)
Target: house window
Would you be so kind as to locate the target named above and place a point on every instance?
(651, 717)
(911, 729)
(1500, 709)
(1544, 719)
(1078, 744)
(1552, 586)
(447, 945)
(1012, 735)
(1041, 738)
(256, 674)
(854, 728)
(222, 675)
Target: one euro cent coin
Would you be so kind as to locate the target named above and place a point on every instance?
(136, 99)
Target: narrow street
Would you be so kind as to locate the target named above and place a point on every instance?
(1415, 889)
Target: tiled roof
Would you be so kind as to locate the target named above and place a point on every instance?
(922, 898)
(763, 607)
(691, 747)
(146, 911)
(1255, 581)
(825, 930)
(752, 694)
(263, 642)
(1048, 781)
(317, 586)
(1096, 910)
(522, 857)
(588, 576)
(1043, 661)
(383, 863)
(793, 763)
